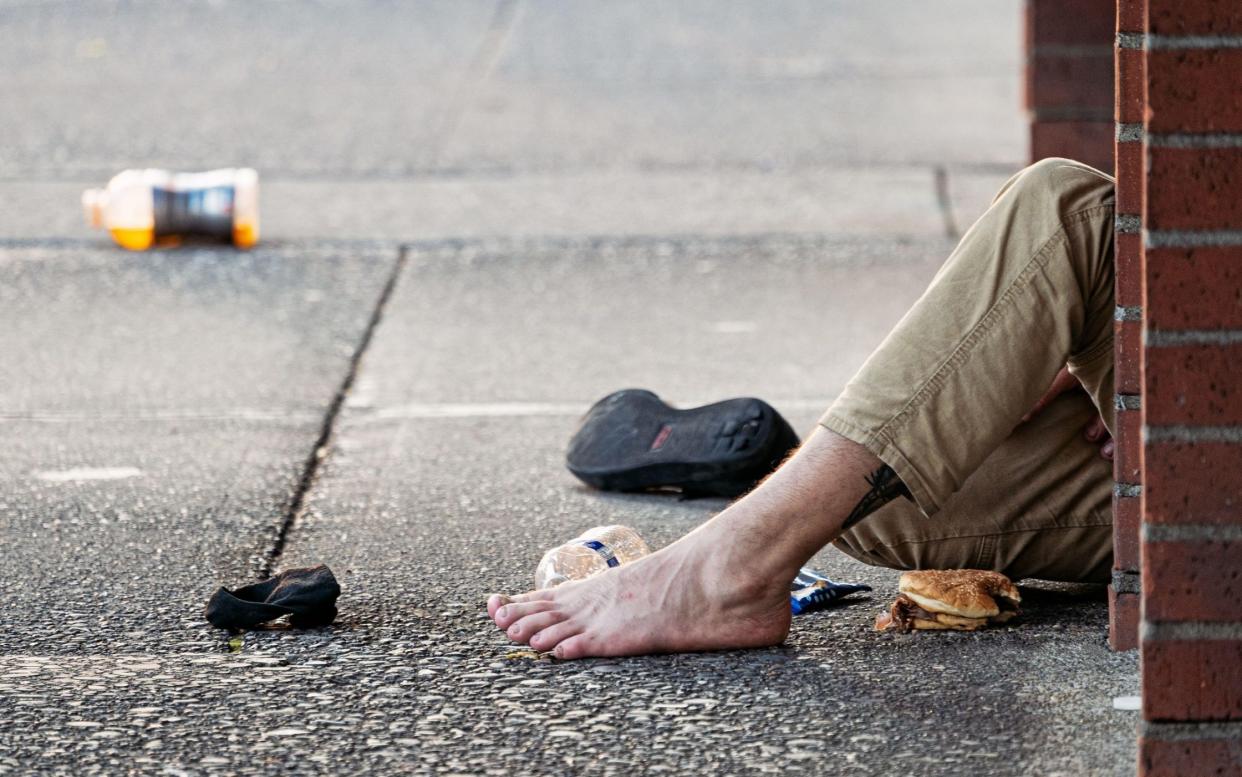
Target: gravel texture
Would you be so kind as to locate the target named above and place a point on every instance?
(157, 412)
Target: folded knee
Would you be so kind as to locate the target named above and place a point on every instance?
(1061, 183)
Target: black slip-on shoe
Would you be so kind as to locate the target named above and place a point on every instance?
(632, 441)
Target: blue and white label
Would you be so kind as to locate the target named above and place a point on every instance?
(603, 550)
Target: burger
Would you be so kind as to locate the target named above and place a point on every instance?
(955, 599)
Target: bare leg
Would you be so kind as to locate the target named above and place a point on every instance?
(1028, 290)
(725, 584)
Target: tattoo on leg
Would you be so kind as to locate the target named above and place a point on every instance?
(885, 487)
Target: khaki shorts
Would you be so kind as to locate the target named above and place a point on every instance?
(1028, 290)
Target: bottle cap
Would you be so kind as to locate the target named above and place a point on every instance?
(93, 201)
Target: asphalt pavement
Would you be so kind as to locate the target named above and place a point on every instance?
(478, 218)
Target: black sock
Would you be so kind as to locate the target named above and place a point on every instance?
(307, 596)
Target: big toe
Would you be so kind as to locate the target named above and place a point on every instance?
(495, 602)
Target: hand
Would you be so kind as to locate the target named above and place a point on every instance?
(1095, 431)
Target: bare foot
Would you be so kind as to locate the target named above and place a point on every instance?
(686, 597)
(726, 584)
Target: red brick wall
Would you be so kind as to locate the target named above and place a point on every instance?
(1069, 79)
(1191, 408)
(1124, 593)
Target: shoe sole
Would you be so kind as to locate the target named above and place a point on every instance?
(633, 441)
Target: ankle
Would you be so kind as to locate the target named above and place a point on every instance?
(735, 576)
(742, 551)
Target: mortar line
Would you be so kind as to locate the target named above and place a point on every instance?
(319, 452)
(941, 176)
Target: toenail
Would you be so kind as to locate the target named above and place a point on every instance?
(502, 612)
(514, 630)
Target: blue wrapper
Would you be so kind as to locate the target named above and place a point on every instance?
(812, 591)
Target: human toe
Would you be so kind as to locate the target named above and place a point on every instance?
(548, 638)
(524, 628)
(495, 602)
(509, 614)
(577, 646)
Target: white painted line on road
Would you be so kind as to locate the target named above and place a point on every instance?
(1128, 703)
(481, 410)
(88, 473)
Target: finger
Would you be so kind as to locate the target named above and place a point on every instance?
(506, 615)
(529, 626)
(1106, 450)
(548, 638)
(1096, 430)
(1042, 403)
(1062, 382)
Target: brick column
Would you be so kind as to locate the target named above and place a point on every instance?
(1069, 79)
(1123, 594)
(1192, 391)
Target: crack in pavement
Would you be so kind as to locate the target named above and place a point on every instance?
(319, 451)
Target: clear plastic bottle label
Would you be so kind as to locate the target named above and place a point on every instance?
(609, 557)
(206, 211)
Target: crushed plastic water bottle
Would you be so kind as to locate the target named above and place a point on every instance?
(588, 554)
